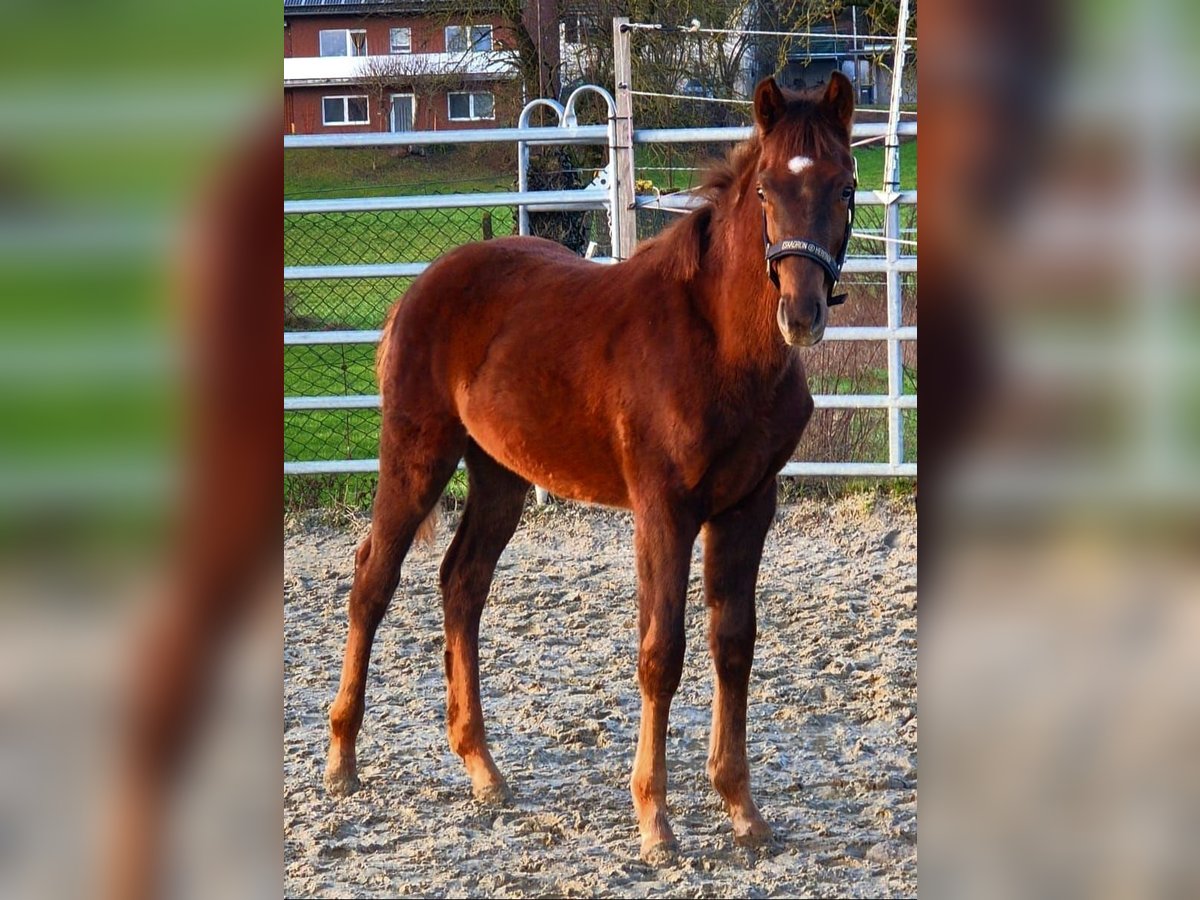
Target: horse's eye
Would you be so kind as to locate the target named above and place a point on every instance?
(847, 192)
(758, 189)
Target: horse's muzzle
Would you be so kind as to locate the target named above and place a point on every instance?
(802, 330)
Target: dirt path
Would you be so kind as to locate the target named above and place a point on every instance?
(833, 727)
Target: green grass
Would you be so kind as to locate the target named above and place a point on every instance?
(870, 166)
(351, 172)
(343, 497)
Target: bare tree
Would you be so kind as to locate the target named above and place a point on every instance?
(728, 65)
(529, 44)
(381, 76)
(417, 74)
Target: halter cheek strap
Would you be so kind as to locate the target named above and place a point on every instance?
(810, 250)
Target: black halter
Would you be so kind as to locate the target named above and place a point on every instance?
(810, 250)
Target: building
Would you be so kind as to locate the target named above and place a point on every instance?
(355, 65)
(865, 61)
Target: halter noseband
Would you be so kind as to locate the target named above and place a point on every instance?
(810, 250)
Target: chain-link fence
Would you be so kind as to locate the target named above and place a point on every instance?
(361, 303)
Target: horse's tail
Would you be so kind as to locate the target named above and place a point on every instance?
(383, 351)
(427, 530)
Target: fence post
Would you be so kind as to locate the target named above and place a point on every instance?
(891, 232)
(624, 216)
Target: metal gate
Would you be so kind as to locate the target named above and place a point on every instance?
(613, 192)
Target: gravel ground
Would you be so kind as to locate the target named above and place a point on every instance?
(832, 722)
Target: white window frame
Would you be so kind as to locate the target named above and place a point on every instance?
(392, 41)
(491, 38)
(346, 98)
(470, 38)
(347, 42)
(471, 105)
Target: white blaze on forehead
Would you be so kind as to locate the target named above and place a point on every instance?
(798, 164)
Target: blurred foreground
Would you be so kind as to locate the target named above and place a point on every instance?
(1060, 330)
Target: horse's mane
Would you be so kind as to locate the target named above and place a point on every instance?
(679, 249)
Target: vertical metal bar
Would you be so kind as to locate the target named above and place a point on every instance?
(891, 161)
(569, 119)
(891, 231)
(895, 357)
(624, 216)
(523, 154)
(522, 186)
(616, 220)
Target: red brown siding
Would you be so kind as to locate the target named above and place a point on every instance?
(428, 34)
(302, 104)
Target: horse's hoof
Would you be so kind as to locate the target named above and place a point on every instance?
(341, 783)
(661, 853)
(492, 794)
(756, 835)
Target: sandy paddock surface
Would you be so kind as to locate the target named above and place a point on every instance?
(832, 723)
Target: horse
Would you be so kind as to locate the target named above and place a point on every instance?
(669, 383)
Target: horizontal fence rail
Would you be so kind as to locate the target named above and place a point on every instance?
(545, 135)
(892, 263)
(822, 401)
(546, 201)
(549, 134)
(734, 133)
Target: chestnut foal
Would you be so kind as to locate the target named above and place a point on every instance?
(670, 384)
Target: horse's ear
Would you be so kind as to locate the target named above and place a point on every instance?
(839, 97)
(768, 104)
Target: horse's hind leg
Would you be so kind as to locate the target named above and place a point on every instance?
(416, 462)
(494, 501)
(733, 543)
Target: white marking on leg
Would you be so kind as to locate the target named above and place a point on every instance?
(798, 164)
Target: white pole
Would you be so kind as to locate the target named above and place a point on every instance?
(891, 163)
(891, 224)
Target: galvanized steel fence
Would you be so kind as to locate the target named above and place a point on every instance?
(347, 259)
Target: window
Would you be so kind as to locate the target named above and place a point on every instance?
(344, 111)
(400, 40)
(471, 105)
(343, 42)
(479, 37)
(578, 28)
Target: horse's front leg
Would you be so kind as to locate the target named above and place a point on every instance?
(733, 543)
(663, 542)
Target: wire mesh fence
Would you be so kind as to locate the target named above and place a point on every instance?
(356, 304)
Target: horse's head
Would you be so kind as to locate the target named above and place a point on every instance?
(805, 181)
